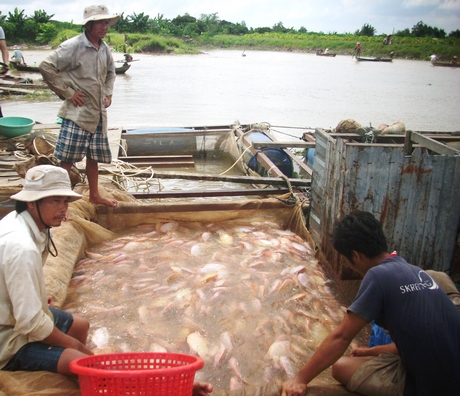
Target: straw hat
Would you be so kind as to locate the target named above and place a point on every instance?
(98, 13)
(46, 181)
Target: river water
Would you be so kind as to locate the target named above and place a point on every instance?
(280, 88)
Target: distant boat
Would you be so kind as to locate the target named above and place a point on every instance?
(122, 69)
(373, 59)
(445, 64)
(34, 69)
(24, 67)
(320, 53)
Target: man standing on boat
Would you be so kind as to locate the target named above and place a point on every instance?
(405, 300)
(358, 49)
(81, 71)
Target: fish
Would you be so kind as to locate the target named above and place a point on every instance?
(198, 344)
(101, 337)
(278, 349)
(287, 366)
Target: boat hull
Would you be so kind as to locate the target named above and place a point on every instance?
(373, 59)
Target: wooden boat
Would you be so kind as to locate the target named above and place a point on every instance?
(122, 69)
(34, 69)
(373, 59)
(25, 68)
(319, 53)
(446, 64)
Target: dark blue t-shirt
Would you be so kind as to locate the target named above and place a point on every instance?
(421, 320)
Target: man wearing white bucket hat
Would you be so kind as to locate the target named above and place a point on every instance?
(81, 71)
(33, 335)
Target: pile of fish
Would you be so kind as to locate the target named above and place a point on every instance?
(248, 298)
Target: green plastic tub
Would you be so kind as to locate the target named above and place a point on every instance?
(15, 126)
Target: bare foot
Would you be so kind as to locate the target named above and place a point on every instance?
(100, 200)
(201, 389)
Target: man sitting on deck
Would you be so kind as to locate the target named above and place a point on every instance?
(405, 300)
(33, 335)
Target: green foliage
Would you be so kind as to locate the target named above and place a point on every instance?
(41, 16)
(17, 17)
(30, 30)
(185, 33)
(48, 32)
(366, 30)
(423, 30)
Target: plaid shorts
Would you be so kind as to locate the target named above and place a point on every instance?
(74, 143)
(36, 356)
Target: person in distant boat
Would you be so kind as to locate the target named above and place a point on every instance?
(387, 40)
(33, 335)
(17, 57)
(358, 49)
(326, 51)
(433, 59)
(406, 301)
(454, 60)
(81, 71)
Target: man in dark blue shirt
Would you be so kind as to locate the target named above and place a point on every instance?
(405, 300)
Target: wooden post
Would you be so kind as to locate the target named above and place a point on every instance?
(408, 143)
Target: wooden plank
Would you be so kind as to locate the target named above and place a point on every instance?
(166, 164)
(212, 193)
(278, 144)
(16, 90)
(432, 144)
(276, 181)
(146, 135)
(157, 158)
(261, 157)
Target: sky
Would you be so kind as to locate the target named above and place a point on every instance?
(328, 16)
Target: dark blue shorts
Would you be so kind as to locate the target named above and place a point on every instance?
(36, 356)
(74, 143)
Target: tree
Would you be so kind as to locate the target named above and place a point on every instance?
(138, 22)
(423, 30)
(122, 25)
(279, 28)
(455, 34)
(366, 30)
(41, 16)
(46, 33)
(210, 23)
(17, 17)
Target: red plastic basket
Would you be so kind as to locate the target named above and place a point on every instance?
(137, 373)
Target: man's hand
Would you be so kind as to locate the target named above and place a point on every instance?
(78, 99)
(293, 387)
(84, 349)
(201, 389)
(107, 101)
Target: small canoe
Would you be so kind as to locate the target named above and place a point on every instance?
(25, 68)
(325, 54)
(446, 64)
(373, 59)
(122, 69)
(119, 70)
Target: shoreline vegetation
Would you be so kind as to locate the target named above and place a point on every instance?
(401, 47)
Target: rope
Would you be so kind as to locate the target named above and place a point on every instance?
(293, 200)
(236, 162)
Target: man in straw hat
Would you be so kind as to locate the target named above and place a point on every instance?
(81, 71)
(33, 335)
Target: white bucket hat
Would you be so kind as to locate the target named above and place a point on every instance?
(98, 13)
(46, 181)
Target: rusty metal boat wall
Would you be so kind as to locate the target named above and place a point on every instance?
(413, 189)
